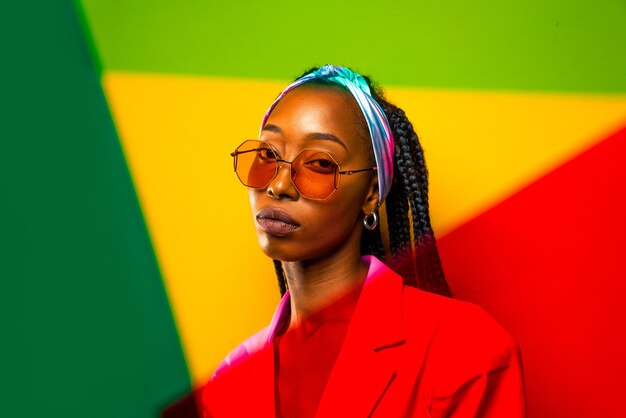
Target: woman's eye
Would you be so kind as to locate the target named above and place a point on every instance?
(266, 154)
(322, 165)
(325, 163)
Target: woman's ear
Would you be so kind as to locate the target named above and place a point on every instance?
(371, 199)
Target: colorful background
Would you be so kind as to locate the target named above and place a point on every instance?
(128, 260)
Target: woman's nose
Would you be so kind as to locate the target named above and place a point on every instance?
(281, 186)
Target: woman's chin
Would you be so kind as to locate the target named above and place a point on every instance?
(281, 254)
(277, 248)
(290, 252)
(286, 251)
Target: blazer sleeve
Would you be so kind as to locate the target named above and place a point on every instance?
(233, 377)
(478, 370)
(219, 393)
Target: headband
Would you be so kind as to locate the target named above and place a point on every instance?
(377, 123)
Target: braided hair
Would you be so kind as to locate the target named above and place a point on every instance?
(412, 244)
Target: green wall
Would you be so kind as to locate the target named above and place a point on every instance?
(87, 329)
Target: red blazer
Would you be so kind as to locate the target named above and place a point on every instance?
(407, 353)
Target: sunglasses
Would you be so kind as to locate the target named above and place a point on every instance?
(314, 173)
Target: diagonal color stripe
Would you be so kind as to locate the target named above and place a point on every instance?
(85, 317)
(555, 45)
(482, 146)
(177, 133)
(549, 263)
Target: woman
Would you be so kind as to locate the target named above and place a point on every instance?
(352, 337)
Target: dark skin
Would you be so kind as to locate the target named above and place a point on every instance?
(321, 258)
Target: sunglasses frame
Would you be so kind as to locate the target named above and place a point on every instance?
(338, 170)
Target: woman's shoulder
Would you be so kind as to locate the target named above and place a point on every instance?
(467, 356)
(459, 333)
(444, 323)
(235, 376)
(444, 308)
(243, 353)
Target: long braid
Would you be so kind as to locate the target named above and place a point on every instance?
(280, 274)
(399, 232)
(413, 176)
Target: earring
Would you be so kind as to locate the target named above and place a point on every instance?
(370, 221)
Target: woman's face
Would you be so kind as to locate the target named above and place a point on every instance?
(326, 118)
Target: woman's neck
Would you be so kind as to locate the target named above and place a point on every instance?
(315, 284)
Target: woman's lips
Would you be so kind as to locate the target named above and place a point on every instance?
(276, 221)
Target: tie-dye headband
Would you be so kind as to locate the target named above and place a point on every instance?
(380, 131)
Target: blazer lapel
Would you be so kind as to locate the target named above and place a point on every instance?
(366, 365)
(260, 379)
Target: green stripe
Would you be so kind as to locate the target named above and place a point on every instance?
(90, 332)
(559, 45)
(88, 36)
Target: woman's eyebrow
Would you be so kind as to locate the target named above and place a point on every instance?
(325, 136)
(310, 136)
(272, 128)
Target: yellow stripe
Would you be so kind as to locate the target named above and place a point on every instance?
(481, 147)
(177, 133)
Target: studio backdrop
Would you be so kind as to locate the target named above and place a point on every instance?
(127, 246)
